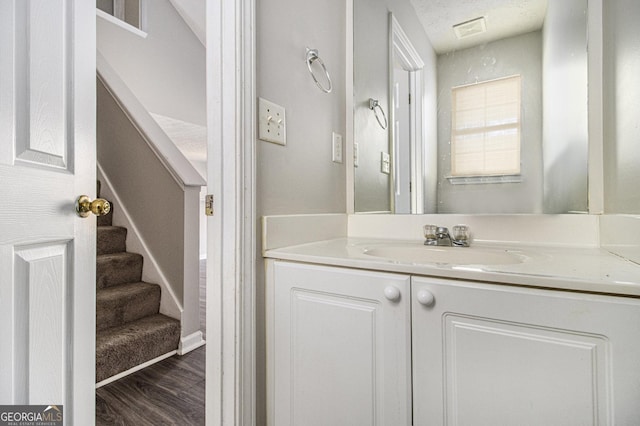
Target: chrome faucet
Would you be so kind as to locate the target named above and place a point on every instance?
(439, 236)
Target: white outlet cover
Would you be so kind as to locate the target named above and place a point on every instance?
(271, 122)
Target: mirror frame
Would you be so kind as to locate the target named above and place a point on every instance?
(595, 92)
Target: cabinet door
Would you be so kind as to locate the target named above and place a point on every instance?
(339, 347)
(497, 355)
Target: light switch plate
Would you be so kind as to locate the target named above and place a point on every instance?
(355, 154)
(336, 145)
(271, 122)
(384, 163)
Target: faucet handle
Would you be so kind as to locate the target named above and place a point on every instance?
(460, 235)
(430, 232)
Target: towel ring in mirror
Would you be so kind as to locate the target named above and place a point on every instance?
(312, 56)
(374, 106)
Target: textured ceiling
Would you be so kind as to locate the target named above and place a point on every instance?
(504, 18)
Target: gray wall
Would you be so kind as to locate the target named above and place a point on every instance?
(565, 133)
(494, 60)
(165, 70)
(105, 5)
(300, 177)
(622, 106)
(371, 80)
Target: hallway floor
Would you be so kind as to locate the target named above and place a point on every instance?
(171, 392)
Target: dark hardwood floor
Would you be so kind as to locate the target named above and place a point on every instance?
(171, 392)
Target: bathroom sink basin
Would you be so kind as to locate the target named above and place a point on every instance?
(422, 254)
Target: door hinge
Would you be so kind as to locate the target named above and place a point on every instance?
(208, 205)
(409, 98)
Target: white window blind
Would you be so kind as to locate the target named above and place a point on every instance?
(485, 131)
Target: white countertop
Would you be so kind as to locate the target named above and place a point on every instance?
(564, 268)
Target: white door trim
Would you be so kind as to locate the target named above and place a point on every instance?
(230, 364)
(400, 46)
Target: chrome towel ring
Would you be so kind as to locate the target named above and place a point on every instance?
(312, 56)
(374, 106)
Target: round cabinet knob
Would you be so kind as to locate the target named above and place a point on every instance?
(99, 206)
(392, 293)
(426, 298)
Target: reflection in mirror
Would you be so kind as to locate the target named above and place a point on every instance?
(539, 128)
(405, 67)
(622, 106)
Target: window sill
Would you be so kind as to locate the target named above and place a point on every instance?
(476, 180)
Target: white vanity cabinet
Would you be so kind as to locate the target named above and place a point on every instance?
(356, 347)
(499, 355)
(338, 344)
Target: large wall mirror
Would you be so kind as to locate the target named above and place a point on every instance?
(470, 107)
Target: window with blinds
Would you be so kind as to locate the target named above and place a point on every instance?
(486, 128)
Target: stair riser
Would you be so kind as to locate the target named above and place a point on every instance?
(133, 347)
(114, 270)
(111, 240)
(111, 312)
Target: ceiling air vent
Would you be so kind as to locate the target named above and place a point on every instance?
(470, 28)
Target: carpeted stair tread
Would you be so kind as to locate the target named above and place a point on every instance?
(111, 239)
(118, 268)
(123, 347)
(123, 303)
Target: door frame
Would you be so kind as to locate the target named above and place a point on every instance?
(231, 231)
(400, 47)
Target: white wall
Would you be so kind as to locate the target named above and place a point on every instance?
(515, 55)
(193, 13)
(371, 80)
(565, 135)
(622, 106)
(165, 70)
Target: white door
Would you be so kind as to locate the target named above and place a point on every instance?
(340, 347)
(498, 355)
(47, 159)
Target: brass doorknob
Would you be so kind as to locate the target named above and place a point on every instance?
(99, 206)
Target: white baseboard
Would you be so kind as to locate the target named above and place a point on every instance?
(134, 369)
(190, 343)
